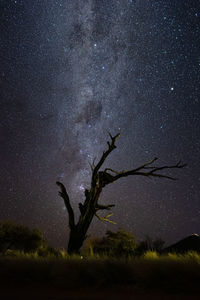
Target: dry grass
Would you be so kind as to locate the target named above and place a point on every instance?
(168, 273)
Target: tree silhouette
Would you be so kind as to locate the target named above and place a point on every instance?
(99, 180)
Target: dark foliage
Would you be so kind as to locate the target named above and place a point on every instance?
(150, 244)
(115, 244)
(19, 237)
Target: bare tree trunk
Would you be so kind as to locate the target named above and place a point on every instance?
(99, 180)
(78, 235)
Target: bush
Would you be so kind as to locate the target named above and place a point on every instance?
(151, 255)
(19, 237)
(150, 245)
(114, 244)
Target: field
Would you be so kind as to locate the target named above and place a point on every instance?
(152, 276)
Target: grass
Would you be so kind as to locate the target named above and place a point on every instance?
(170, 273)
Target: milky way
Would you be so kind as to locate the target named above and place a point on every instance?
(72, 71)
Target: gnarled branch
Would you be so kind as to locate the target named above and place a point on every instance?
(143, 170)
(152, 171)
(64, 195)
(111, 147)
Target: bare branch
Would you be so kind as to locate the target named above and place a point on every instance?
(146, 164)
(92, 165)
(106, 218)
(65, 196)
(152, 172)
(111, 147)
(113, 171)
(113, 138)
(104, 207)
(178, 165)
(143, 170)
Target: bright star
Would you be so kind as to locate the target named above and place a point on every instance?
(81, 187)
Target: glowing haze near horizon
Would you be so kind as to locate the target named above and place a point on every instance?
(72, 71)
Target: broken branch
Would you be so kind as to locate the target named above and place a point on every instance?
(104, 207)
(105, 219)
(65, 196)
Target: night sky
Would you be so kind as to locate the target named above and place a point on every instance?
(73, 70)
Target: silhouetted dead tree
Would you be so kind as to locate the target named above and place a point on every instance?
(99, 180)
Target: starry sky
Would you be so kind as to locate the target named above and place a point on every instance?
(70, 72)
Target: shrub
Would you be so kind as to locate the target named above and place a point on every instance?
(150, 244)
(115, 244)
(151, 255)
(19, 237)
